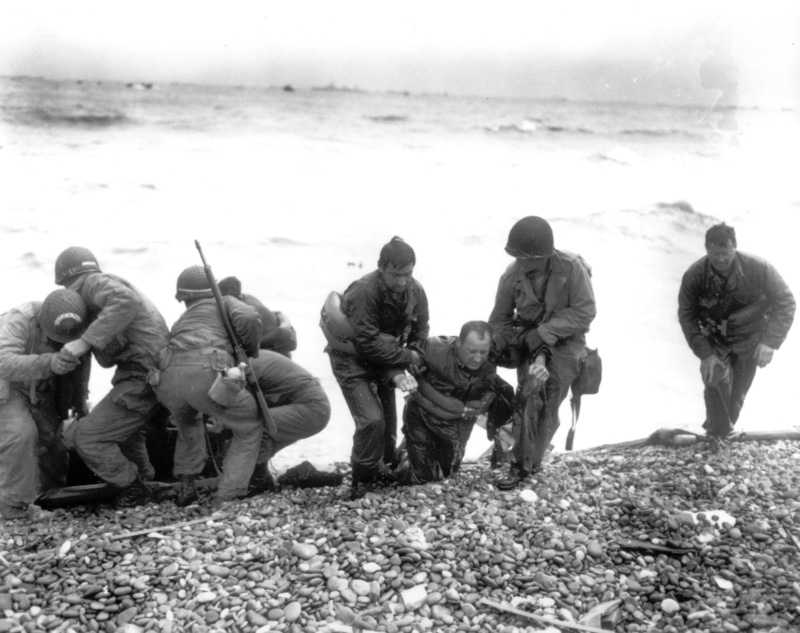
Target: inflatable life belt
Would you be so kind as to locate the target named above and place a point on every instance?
(337, 328)
(335, 325)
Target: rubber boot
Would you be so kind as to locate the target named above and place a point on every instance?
(187, 492)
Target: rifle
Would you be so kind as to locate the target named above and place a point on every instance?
(238, 349)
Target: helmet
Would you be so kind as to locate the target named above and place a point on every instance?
(63, 315)
(530, 237)
(193, 284)
(74, 261)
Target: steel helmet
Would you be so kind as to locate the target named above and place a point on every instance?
(193, 284)
(63, 315)
(74, 261)
(530, 237)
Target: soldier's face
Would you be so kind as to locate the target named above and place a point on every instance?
(396, 279)
(474, 351)
(721, 257)
(532, 264)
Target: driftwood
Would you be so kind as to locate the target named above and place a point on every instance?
(164, 528)
(680, 437)
(538, 618)
(671, 437)
(647, 546)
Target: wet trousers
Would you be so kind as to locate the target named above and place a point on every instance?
(32, 458)
(536, 419)
(435, 447)
(724, 395)
(301, 414)
(372, 404)
(183, 389)
(111, 438)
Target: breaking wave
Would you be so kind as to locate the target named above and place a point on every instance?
(79, 118)
(388, 118)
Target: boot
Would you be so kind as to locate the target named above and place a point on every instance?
(512, 479)
(261, 481)
(134, 495)
(11, 513)
(187, 492)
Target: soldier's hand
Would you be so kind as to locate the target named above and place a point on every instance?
(539, 372)
(763, 355)
(707, 367)
(405, 383)
(416, 359)
(60, 364)
(77, 348)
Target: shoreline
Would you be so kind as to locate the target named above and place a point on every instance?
(608, 529)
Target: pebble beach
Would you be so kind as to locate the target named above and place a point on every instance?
(653, 539)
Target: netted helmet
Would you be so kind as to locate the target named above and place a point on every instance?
(63, 316)
(74, 261)
(530, 237)
(193, 284)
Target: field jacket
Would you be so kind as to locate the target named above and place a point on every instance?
(200, 327)
(126, 329)
(752, 305)
(566, 313)
(374, 309)
(25, 363)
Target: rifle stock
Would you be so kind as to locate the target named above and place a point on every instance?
(238, 349)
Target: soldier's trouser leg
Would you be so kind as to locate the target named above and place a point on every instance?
(389, 405)
(422, 446)
(184, 391)
(536, 420)
(52, 455)
(117, 420)
(296, 421)
(359, 385)
(18, 442)
(724, 395)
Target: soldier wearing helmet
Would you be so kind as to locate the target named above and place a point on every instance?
(39, 385)
(543, 308)
(198, 352)
(126, 331)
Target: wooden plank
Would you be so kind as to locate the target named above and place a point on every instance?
(538, 618)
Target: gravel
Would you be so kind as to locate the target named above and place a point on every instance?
(654, 539)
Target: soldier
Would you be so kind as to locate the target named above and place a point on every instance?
(198, 354)
(126, 331)
(735, 310)
(456, 384)
(297, 404)
(277, 333)
(387, 311)
(543, 308)
(39, 385)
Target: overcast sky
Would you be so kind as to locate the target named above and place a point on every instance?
(611, 49)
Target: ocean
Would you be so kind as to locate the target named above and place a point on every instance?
(295, 191)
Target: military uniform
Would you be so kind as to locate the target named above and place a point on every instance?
(728, 315)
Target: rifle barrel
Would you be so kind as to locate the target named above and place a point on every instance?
(238, 349)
